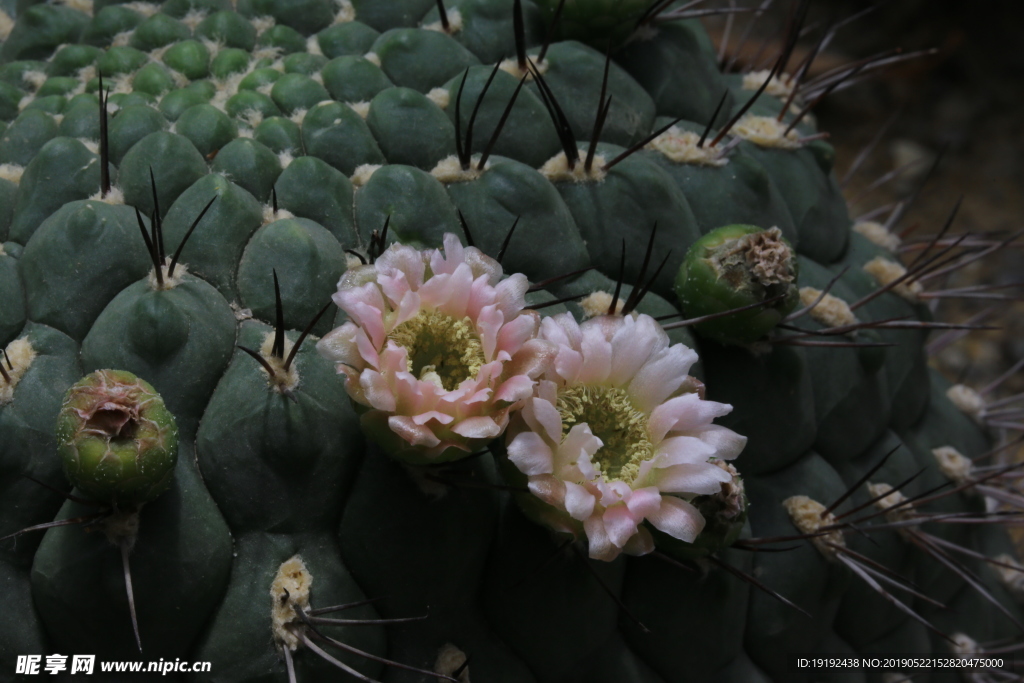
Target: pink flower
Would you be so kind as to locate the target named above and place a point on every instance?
(438, 349)
(616, 435)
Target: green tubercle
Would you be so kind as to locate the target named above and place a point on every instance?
(116, 439)
(736, 266)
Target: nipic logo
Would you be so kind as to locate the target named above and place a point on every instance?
(54, 664)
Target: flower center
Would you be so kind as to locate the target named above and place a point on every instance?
(441, 349)
(612, 418)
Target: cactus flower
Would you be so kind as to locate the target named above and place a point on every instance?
(438, 349)
(616, 434)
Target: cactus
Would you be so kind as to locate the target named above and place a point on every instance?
(643, 265)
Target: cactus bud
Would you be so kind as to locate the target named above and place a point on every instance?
(736, 266)
(116, 439)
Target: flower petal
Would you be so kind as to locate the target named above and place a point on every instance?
(417, 435)
(620, 524)
(579, 502)
(643, 502)
(632, 344)
(678, 519)
(641, 542)
(529, 452)
(683, 414)
(699, 478)
(480, 427)
(600, 546)
(661, 376)
(727, 443)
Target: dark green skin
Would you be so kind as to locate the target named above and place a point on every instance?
(157, 31)
(712, 641)
(259, 77)
(57, 85)
(238, 642)
(81, 117)
(279, 135)
(310, 188)
(657, 64)
(458, 526)
(420, 210)
(225, 229)
(852, 400)
(575, 73)
(509, 190)
(25, 136)
(349, 38)
(161, 334)
(626, 204)
(528, 119)
(702, 291)
(120, 60)
(107, 22)
(285, 38)
(9, 98)
(12, 315)
(228, 61)
(864, 615)
(812, 195)
(190, 57)
(176, 164)
(304, 63)
(336, 134)
(421, 60)
(351, 78)
(742, 191)
(253, 167)
(305, 16)
(52, 104)
(87, 247)
(410, 129)
(154, 79)
(384, 15)
(129, 126)
(309, 262)
(207, 127)
(47, 184)
(905, 364)
(40, 29)
(264, 456)
(180, 564)
(8, 192)
(488, 27)
(803, 575)
(28, 442)
(230, 28)
(241, 106)
(70, 58)
(600, 22)
(772, 400)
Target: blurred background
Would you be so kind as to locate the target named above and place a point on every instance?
(968, 97)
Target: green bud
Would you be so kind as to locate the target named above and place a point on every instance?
(736, 266)
(116, 439)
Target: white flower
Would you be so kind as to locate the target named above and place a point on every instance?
(612, 437)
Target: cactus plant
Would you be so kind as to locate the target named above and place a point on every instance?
(650, 245)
